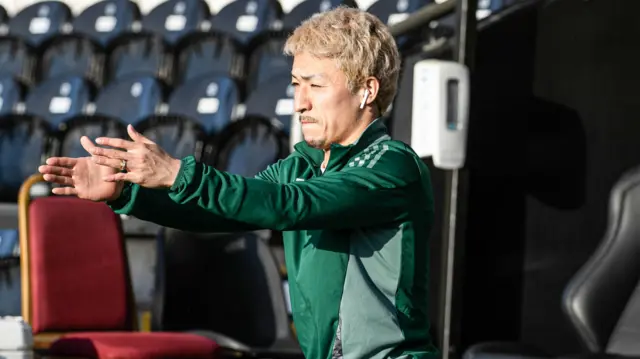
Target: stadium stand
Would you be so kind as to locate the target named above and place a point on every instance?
(308, 8)
(131, 100)
(175, 19)
(105, 21)
(39, 22)
(274, 100)
(207, 54)
(17, 60)
(140, 54)
(245, 19)
(267, 59)
(72, 54)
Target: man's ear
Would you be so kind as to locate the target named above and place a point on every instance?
(370, 91)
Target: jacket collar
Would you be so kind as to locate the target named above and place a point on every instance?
(340, 155)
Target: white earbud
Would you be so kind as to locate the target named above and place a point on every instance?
(364, 99)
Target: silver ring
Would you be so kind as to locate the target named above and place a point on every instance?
(123, 165)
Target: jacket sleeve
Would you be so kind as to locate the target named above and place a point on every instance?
(155, 205)
(357, 196)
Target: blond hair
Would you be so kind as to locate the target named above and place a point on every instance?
(360, 43)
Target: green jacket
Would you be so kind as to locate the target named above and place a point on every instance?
(356, 238)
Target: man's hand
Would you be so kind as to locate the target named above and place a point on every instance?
(146, 163)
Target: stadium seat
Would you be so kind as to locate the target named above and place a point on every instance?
(210, 101)
(92, 126)
(17, 60)
(39, 22)
(72, 55)
(177, 135)
(267, 58)
(59, 99)
(489, 7)
(11, 93)
(8, 243)
(244, 19)
(225, 287)
(208, 54)
(76, 293)
(105, 21)
(140, 54)
(393, 12)
(4, 16)
(308, 8)
(274, 100)
(130, 100)
(174, 19)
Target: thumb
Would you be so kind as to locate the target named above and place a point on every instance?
(137, 136)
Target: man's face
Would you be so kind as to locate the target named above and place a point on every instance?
(328, 110)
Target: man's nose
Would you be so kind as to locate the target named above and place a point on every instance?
(301, 100)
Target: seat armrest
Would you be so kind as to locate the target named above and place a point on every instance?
(504, 350)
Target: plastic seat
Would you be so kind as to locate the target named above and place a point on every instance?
(17, 60)
(11, 93)
(210, 101)
(179, 136)
(245, 19)
(72, 55)
(140, 54)
(208, 54)
(174, 19)
(39, 22)
(393, 12)
(130, 100)
(267, 58)
(308, 8)
(274, 100)
(105, 21)
(489, 7)
(77, 293)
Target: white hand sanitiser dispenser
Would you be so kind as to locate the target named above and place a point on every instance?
(440, 112)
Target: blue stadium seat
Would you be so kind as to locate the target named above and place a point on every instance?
(11, 93)
(92, 126)
(178, 136)
(140, 54)
(308, 8)
(107, 20)
(39, 22)
(175, 19)
(489, 7)
(250, 145)
(208, 54)
(72, 55)
(131, 100)
(392, 12)
(274, 100)
(58, 100)
(210, 101)
(9, 244)
(244, 19)
(17, 60)
(267, 59)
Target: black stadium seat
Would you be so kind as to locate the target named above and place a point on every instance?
(72, 55)
(140, 54)
(174, 19)
(308, 8)
(208, 54)
(244, 19)
(107, 20)
(274, 100)
(39, 22)
(210, 101)
(131, 100)
(60, 99)
(17, 60)
(11, 93)
(266, 59)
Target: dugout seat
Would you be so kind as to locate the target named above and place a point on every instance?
(175, 19)
(245, 19)
(140, 54)
(76, 288)
(601, 301)
(130, 100)
(208, 54)
(225, 287)
(17, 59)
(39, 22)
(308, 8)
(105, 21)
(72, 55)
(266, 59)
(274, 100)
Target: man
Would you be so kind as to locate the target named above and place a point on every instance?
(355, 206)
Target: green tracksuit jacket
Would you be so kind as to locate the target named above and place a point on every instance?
(356, 238)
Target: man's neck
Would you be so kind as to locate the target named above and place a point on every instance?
(350, 139)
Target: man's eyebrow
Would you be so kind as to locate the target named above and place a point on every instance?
(308, 77)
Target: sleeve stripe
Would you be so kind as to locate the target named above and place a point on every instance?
(371, 154)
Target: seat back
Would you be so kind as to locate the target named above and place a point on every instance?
(39, 22)
(178, 136)
(174, 19)
(130, 100)
(227, 284)
(17, 60)
(274, 100)
(393, 12)
(244, 19)
(596, 297)
(77, 273)
(308, 8)
(107, 20)
(208, 54)
(489, 7)
(11, 93)
(92, 126)
(267, 58)
(59, 99)
(70, 55)
(140, 54)
(211, 101)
